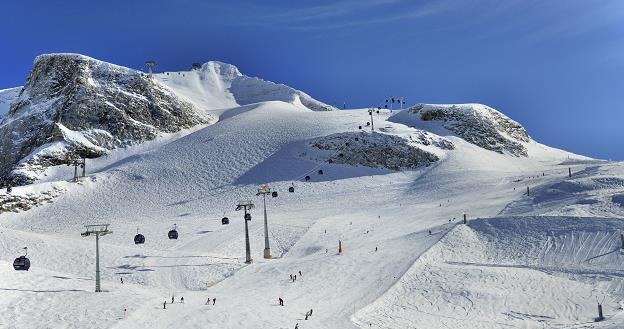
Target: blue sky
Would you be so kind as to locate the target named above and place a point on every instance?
(555, 66)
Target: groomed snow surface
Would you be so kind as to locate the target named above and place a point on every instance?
(535, 261)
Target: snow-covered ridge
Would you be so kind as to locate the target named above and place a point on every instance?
(218, 86)
(476, 123)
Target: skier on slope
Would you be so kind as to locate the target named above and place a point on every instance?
(208, 301)
(281, 301)
(164, 305)
(214, 301)
(182, 300)
(172, 299)
(297, 325)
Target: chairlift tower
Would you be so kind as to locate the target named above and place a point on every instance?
(246, 205)
(97, 230)
(392, 99)
(370, 112)
(150, 66)
(264, 190)
(78, 163)
(402, 101)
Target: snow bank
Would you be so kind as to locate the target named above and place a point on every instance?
(519, 272)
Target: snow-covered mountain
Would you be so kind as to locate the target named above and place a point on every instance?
(540, 245)
(76, 106)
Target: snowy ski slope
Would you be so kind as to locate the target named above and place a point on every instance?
(515, 267)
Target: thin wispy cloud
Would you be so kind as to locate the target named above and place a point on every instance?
(352, 13)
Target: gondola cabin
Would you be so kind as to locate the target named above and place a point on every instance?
(173, 234)
(139, 239)
(21, 263)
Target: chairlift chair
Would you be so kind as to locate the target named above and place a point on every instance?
(274, 194)
(225, 221)
(247, 216)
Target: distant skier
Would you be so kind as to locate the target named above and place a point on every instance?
(182, 300)
(310, 312)
(429, 232)
(297, 326)
(9, 188)
(172, 299)
(208, 301)
(299, 273)
(214, 301)
(295, 278)
(121, 280)
(281, 301)
(164, 305)
(375, 248)
(306, 317)
(291, 277)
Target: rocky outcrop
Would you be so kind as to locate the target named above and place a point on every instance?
(73, 105)
(375, 150)
(478, 124)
